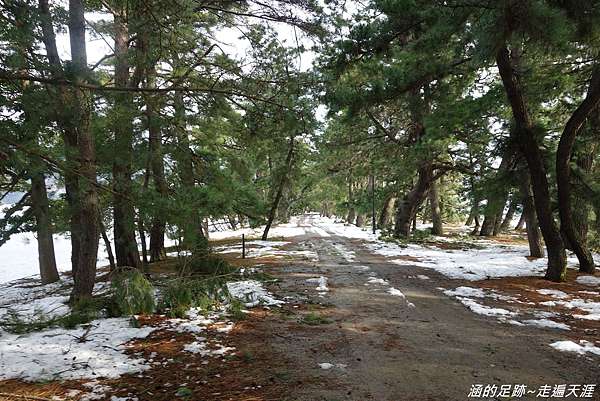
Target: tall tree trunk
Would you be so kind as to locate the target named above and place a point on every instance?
(284, 176)
(534, 236)
(43, 226)
(436, 211)
(85, 274)
(67, 124)
(193, 234)
(126, 250)
(581, 214)
(529, 147)
(159, 224)
(563, 172)
(408, 206)
(510, 214)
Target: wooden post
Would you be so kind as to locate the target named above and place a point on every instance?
(243, 246)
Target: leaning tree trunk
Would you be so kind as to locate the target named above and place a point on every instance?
(284, 176)
(534, 236)
(529, 147)
(107, 245)
(409, 204)
(474, 212)
(85, 273)
(510, 214)
(43, 228)
(563, 172)
(436, 211)
(521, 223)
(126, 250)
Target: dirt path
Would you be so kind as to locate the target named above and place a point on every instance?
(383, 348)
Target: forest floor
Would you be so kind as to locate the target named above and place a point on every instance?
(366, 320)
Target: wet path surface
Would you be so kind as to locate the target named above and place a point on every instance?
(385, 334)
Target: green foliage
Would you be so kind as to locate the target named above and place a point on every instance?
(133, 294)
(184, 293)
(206, 265)
(314, 319)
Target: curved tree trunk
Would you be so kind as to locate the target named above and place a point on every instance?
(408, 205)
(529, 147)
(563, 172)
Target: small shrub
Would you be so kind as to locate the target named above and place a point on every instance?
(207, 265)
(133, 294)
(184, 293)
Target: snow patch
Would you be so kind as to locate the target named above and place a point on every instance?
(582, 348)
(546, 323)
(252, 293)
(322, 283)
(72, 354)
(588, 280)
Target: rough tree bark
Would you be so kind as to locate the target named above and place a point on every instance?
(408, 206)
(126, 250)
(43, 227)
(529, 147)
(85, 274)
(563, 172)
